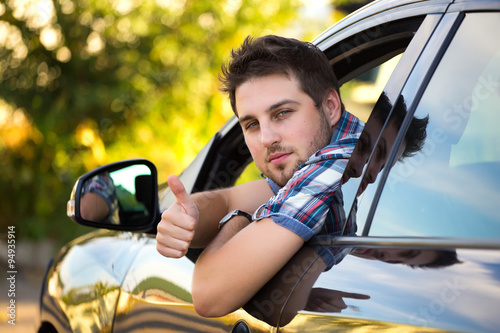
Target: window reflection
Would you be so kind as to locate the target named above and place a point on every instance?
(295, 287)
(451, 188)
(372, 151)
(410, 257)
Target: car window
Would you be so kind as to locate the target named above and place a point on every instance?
(450, 187)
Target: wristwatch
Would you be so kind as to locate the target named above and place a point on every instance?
(230, 215)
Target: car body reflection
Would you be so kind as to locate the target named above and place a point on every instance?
(87, 278)
(410, 295)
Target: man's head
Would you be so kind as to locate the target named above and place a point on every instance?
(286, 97)
(410, 257)
(413, 141)
(271, 54)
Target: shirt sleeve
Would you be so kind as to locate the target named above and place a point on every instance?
(303, 203)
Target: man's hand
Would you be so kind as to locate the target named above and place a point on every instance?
(178, 223)
(328, 300)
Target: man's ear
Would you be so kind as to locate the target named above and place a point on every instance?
(333, 108)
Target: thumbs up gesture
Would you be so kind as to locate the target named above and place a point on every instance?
(178, 223)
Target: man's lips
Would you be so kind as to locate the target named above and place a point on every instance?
(362, 187)
(345, 177)
(278, 158)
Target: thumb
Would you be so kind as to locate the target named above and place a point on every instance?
(183, 198)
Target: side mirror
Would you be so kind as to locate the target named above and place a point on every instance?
(119, 196)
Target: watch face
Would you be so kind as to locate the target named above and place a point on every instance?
(228, 216)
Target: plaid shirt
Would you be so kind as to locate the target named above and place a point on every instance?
(311, 203)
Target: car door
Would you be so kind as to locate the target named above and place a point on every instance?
(427, 258)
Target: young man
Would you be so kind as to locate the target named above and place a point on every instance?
(286, 97)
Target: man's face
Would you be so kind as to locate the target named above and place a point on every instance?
(364, 148)
(281, 124)
(399, 256)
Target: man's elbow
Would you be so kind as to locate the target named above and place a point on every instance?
(210, 305)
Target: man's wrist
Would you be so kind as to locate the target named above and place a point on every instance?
(238, 223)
(232, 214)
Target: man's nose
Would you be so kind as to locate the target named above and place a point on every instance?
(373, 170)
(356, 166)
(269, 136)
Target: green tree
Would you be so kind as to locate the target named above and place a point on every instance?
(87, 82)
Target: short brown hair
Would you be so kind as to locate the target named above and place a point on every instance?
(417, 131)
(271, 54)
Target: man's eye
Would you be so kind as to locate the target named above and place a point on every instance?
(283, 113)
(409, 253)
(251, 125)
(362, 145)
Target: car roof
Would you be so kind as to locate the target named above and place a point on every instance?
(376, 13)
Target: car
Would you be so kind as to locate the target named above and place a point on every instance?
(426, 256)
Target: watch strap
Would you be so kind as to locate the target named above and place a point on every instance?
(232, 214)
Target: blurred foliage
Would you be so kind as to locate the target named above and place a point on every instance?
(88, 82)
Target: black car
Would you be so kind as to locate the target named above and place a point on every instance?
(426, 257)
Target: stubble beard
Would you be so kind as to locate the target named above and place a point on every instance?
(282, 173)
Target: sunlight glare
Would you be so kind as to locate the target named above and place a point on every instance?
(95, 43)
(50, 38)
(36, 13)
(63, 54)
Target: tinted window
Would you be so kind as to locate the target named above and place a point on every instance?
(451, 187)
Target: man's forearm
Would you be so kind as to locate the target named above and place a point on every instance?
(212, 207)
(238, 263)
(231, 228)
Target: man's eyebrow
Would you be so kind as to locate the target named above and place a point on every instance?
(269, 109)
(245, 118)
(281, 103)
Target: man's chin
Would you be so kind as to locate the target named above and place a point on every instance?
(280, 178)
(281, 173)
(279, 181)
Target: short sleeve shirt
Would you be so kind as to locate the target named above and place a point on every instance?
(311, 203)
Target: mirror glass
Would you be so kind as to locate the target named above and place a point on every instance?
(121, 197)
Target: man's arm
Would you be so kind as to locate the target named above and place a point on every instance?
(93, 207)
(193, 220)
(237, 264)
(291, 285)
